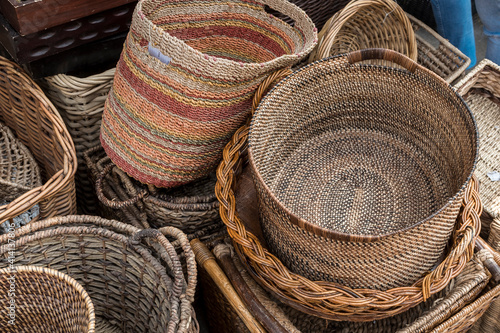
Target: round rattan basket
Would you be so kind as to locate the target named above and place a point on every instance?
(361, 172)
(133, 276)
(39, 299)
(35, 122)
(364, 24)
(325, 299)
(19, 171)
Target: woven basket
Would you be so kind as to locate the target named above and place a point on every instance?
(220, 277)
(80, 101)
(481, 91)
(363, 166)
(181, 88)
(134, 277)
(356, 27)
(25, 109)
(192, 208)
(45, 301)
(364, 24)
(330, 300)
(19, 172)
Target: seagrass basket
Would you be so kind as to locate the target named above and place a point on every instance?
(31, 116)
(364, 165)
(185, 81)
(331, 300)
(19, 171)
(45, 301)
(80, 101)
(364, 24)
(193, 208)
(481, 91)
(133, 276)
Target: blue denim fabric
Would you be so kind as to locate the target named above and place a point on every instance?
(454, 22)
(489, 13)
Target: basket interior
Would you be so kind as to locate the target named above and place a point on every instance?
(364, 150)
(44, 303)
(236, 30)
(127, 291)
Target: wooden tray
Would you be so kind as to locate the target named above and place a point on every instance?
(38, 45)
(29, 16)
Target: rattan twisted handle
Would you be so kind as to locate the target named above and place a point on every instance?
(329, 32)
(326, 299)
(182, 295)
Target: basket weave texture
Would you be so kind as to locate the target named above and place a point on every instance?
(364, 24)
(46, 301)
(193, 208)
(18, 169)
(328, 299)
(80, 101)
(134, 277)
(481, 91)
(181, 89)
(363, 165)
(35, 122)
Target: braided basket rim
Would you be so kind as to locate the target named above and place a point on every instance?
(329, 233)
(326, 299)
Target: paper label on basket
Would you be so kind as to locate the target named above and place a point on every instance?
(494, 176)
(154, 52)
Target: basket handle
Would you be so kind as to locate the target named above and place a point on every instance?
(383, 54)
(115, 204)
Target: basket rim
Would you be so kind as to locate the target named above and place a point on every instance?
(329, 233)
(308, 46)
(61, 277)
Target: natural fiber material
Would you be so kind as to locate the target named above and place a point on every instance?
(46, 301)
(481, 91)
(193, 208)
(182, 88)
(364, 24)
(361, 171)
(35, 122)
(438, 54)
(326, 299)
(133, 276)
(80, 101)
(19, 171)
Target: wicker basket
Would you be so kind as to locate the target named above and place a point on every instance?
(222, 271)
(481, 91)
(328, 299)
(25, 109)
(19, 172)
(134, 277)
(80, 101)
(364, 24)
(192, 208)
(329, 187)
(45, 301)
(351, 29)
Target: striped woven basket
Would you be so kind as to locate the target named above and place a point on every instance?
(185, 81)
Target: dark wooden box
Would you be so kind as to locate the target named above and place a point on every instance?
(29, 16)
